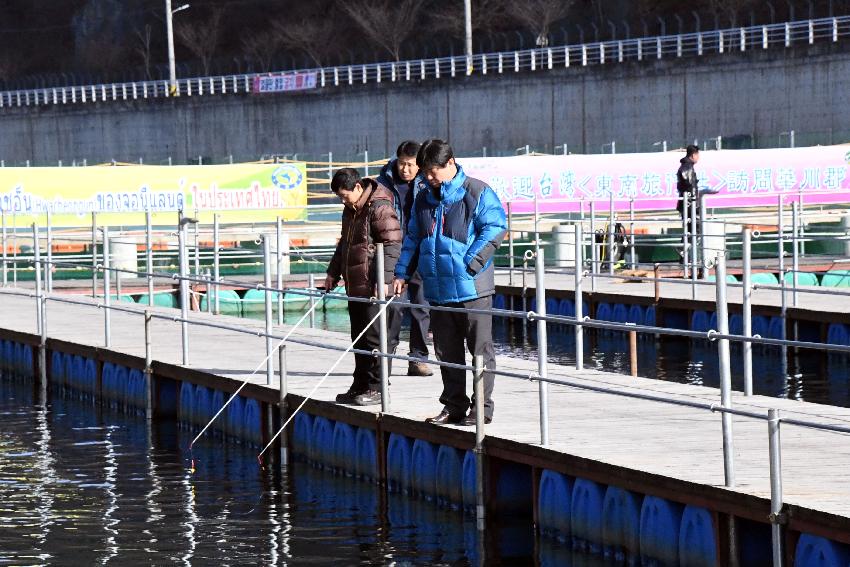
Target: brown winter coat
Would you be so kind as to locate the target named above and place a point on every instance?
(371, 221)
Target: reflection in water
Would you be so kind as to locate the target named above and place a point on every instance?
(74, 490)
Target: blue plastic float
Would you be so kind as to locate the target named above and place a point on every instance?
(252, 423)
(554, 497)
(468, 483)
(837, 334)
(621, 525)
(660, 521)
(302, 434)
(449, 473)
(700, 321)
(697, 545)
(343, 456)
(423, 469)
(586, 515)
(399, 452)
(187, 403)
(323, 436)
(814, 551)
(366, 454)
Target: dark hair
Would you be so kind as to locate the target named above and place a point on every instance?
(407, 148)
(692, 149)
(434, 153)
(345, 178)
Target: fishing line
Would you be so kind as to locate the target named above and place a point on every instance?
(328, 373)
(245, 382)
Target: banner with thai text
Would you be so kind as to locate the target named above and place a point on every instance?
(240, 193)
(742, 178)
(285, 83)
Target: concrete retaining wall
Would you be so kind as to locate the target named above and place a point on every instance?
(757, 94)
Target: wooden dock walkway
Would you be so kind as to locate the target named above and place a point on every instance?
(647, 442)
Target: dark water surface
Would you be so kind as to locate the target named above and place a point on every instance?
(81, 485)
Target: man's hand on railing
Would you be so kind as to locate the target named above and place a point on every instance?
(398, 286)
(330, 283)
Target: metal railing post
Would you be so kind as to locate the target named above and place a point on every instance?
(632, 251)
(41, 324)
(747, 311)
(5, 249)
(725, 369)
(149, 255)
(695, 259)
(148, 367)
(536, 223)
(267, 282)
(382, 323)
(686, 233)
(611, 233)
(542, 346)
(478, 388)
(37, 267)
(184, 290)
(196, 226)
(776, 515)
(579, 308)
(594, 254)
(282, 407)
(311, 287)
(510, 245)
(216, 262)
(48, 269)
(780, 237)
(107, 290)
(279, 265)
(94, 255)
(795, 257)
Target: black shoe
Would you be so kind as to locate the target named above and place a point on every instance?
(470, 420)
(445, 417)
(349, 397)
(368, 398)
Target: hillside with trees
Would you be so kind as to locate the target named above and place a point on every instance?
(59, 42)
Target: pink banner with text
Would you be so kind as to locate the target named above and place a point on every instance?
(743, 178)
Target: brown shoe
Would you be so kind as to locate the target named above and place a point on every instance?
(419, 369)
(444, 417)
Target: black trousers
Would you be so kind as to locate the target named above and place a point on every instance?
(420, 319)
(367, 369)
(451, 329)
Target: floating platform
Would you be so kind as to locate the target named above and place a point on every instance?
(628, 458)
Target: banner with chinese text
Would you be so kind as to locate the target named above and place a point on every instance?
(741, 177)
(285, 83)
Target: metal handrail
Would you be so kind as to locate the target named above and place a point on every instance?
(719, 41)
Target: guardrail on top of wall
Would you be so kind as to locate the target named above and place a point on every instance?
(547, 58)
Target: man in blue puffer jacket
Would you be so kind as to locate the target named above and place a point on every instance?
(452, 235)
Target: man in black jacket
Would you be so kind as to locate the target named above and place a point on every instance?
(399, 176)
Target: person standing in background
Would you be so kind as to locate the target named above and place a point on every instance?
(399, 175)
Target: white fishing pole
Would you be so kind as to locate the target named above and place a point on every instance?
(328, 373)
(262, 363)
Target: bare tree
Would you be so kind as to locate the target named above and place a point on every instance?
(539, 15)
(261, 48)
(310, 36)
(387, 23)
(201, 38)
(487, 15)
(142, 48)
(729, 9)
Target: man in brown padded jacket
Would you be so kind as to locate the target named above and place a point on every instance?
(369, 218)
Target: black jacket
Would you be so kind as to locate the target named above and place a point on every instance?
(686, 182)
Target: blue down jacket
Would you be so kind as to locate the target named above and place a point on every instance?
(452, 240)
